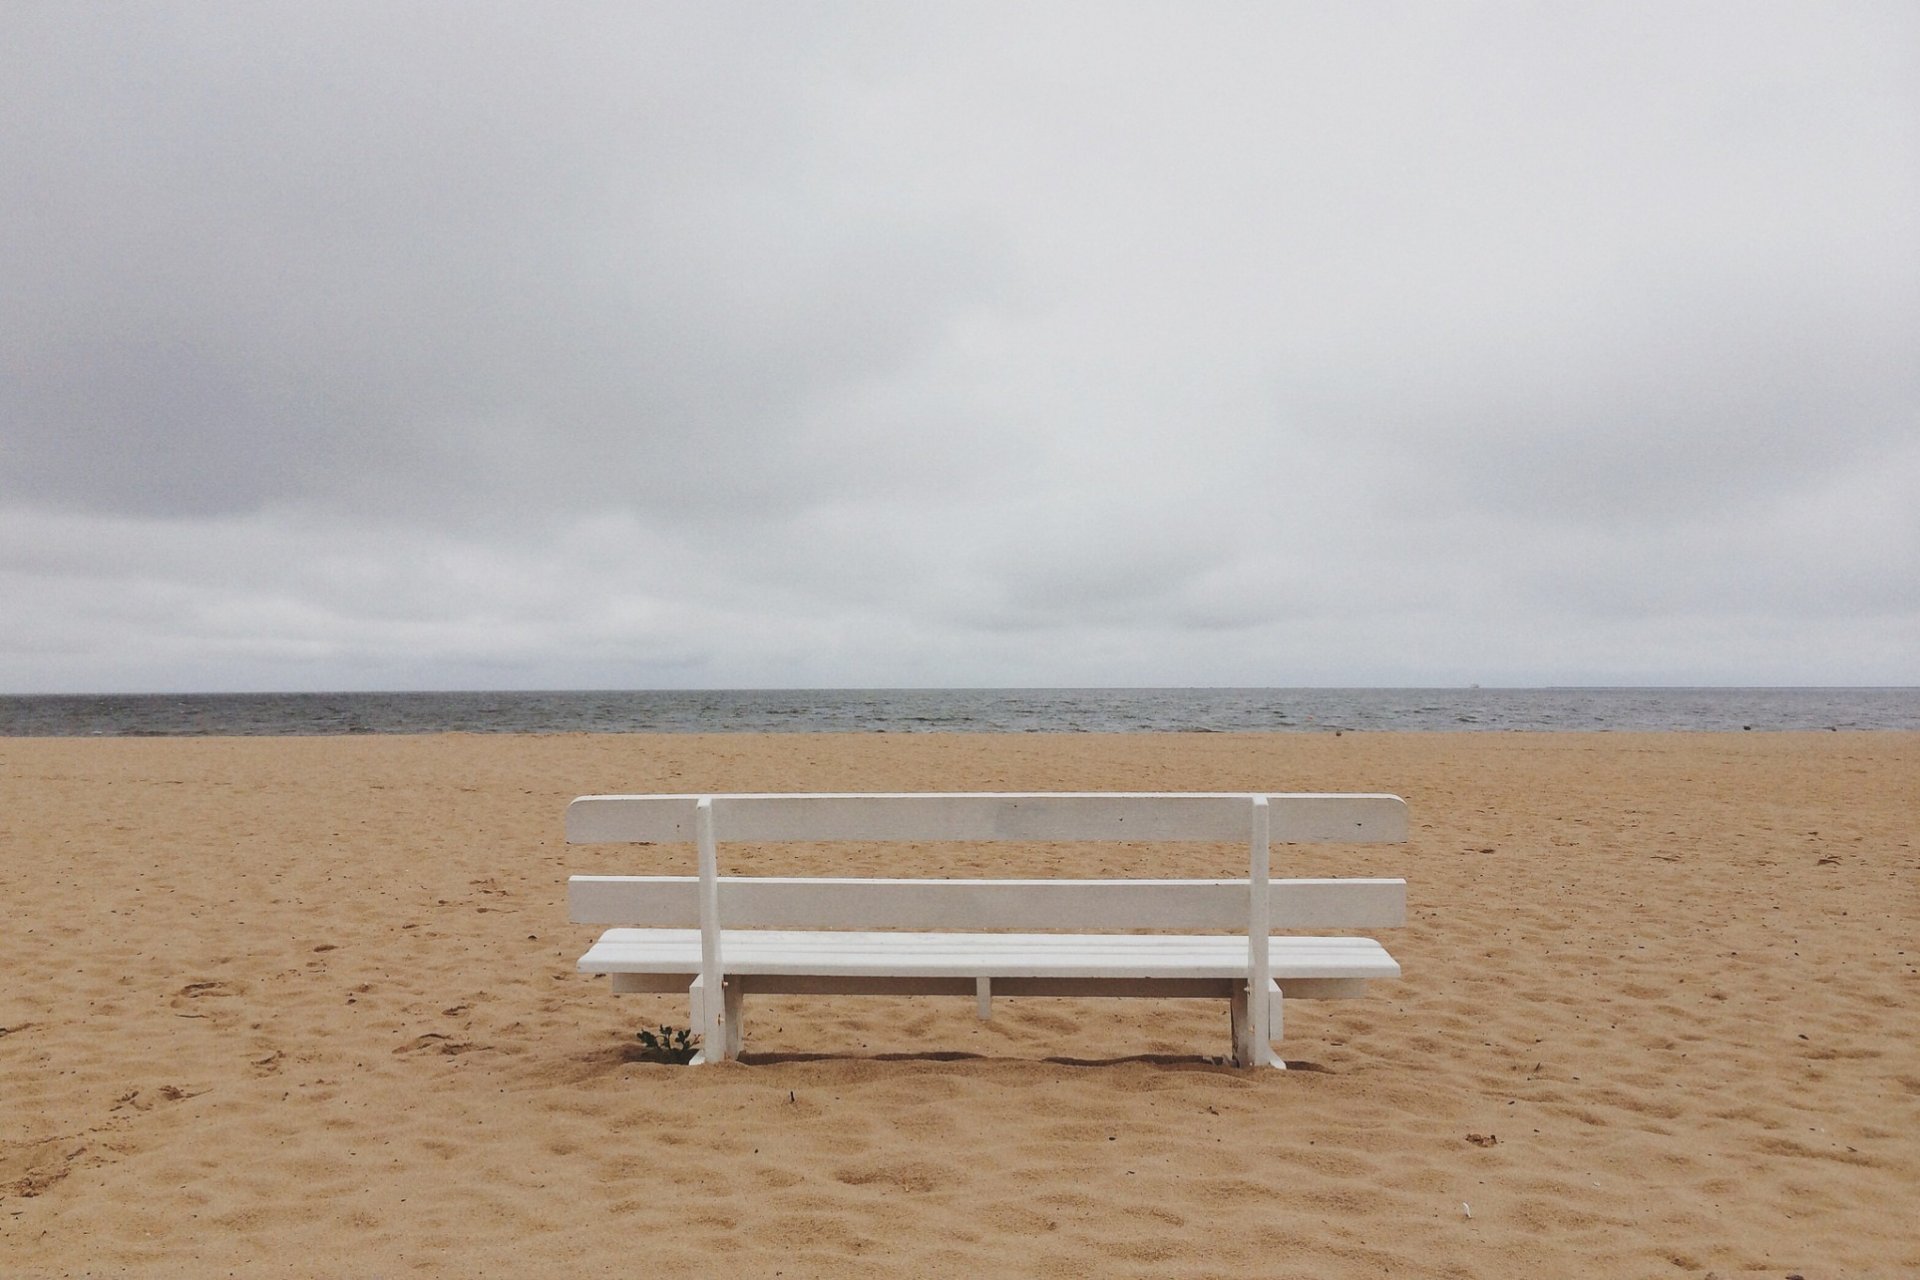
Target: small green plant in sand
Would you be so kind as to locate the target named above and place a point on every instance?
(668, 1044)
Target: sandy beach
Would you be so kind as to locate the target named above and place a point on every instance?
(307, 1006)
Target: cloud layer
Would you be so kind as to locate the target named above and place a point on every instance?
(572, 346)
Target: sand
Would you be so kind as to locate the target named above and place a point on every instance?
(307, 1007)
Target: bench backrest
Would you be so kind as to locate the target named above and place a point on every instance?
(1259, 819)
(792, 902)
(785, 902)
(990, 816)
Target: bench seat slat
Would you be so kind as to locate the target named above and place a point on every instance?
(1035, 955)
(888, 985)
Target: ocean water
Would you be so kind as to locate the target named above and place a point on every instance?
(961, 711)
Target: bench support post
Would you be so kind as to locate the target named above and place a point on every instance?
(709, 1004)
(696, 1018)
(733, 1003)
(1257, 1049)
(726, 1043)
(983, 995)
(1245, 1047)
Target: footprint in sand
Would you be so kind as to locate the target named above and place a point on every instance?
(187, 1000)
(143, 1100)
(435, 1042)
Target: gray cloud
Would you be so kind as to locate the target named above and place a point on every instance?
(363, 345)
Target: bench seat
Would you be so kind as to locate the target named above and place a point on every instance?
(828, 953)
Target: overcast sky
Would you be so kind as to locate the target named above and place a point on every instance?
(399, 346)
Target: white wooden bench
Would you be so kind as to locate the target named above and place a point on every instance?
(723, 938)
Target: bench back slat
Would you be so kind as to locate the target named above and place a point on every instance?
(779, 902)
(989, 816)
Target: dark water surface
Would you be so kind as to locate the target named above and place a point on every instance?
(960, 711)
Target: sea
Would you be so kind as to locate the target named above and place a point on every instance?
(963, 711)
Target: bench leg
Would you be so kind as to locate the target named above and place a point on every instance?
(983, 993)
(718, 1038)
(734, 1002)
(1246, 1051)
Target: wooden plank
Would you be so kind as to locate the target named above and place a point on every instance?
(988, 816)
(985, 817)
(970, 816)
(1338, 819)
(637, 819)
(997, 955)
(889, 985)
(1105, 988)
(882, 985)
(1347, 903)
(776, 902)
(1076, 988)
